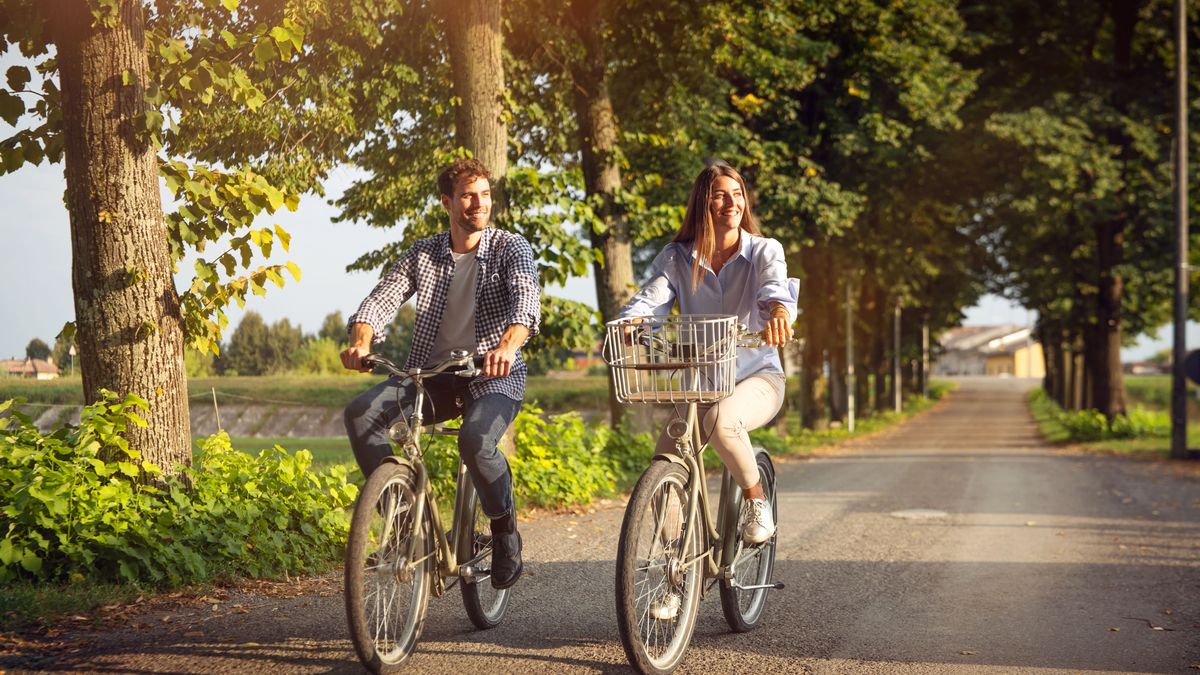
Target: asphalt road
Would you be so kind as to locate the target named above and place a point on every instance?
(957, 543)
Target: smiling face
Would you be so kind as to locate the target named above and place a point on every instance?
(471, 204)
(726, 203)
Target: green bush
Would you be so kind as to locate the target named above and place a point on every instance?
(1087, 426)
(559, 460)
(80, 504)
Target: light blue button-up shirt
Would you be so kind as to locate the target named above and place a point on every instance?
(745, 287)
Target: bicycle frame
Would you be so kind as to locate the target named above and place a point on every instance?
(450, 562)
(720, 546)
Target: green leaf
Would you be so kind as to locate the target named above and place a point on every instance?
(31, 562)
(11, 107)
(229, 38)
(265, 52)
(154, 121)
(18, 77)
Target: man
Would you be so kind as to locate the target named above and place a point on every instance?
(477, 289)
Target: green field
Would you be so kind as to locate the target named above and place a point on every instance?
(1154, 392)
(553, 394)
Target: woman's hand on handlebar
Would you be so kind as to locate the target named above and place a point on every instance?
(778, 329)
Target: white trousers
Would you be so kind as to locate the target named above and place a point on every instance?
(727, 425)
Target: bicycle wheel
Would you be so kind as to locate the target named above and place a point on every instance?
(743, 609)
(484, 604)
(658, 593)
(386, 592)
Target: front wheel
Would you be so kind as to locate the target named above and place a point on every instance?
(659, 570)
(388, 568)
(485, 604)
(753, 565)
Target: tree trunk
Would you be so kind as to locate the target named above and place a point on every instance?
(474, 41)
(835, 308)
(598, 134)
(812, 410)
(127, 314)
(1104, 353)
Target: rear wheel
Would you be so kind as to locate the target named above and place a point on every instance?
(485, 605)
(386, 589)
(753, 565)
(659, 571)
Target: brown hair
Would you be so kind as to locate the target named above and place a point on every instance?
(697, 226)
(460, 168)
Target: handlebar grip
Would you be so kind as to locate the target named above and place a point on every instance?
(478, 360)
(370, 361)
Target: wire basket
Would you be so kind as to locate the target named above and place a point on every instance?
(672, 359)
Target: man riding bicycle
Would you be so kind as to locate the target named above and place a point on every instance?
(477, 290)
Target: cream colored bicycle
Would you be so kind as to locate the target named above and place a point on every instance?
(669, 544)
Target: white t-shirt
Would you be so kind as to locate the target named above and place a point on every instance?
(458, 322)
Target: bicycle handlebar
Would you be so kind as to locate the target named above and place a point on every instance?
(471, 366)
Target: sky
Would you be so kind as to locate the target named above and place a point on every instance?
(35, 278)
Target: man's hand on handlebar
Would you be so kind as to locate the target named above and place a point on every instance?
(352, 358)
(499, 362)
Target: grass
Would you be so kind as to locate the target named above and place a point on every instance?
(24, 604)
(1045, 413)
(330, 391)
(1154, 392)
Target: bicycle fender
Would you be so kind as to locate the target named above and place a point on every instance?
(402, 461)
(669, 457)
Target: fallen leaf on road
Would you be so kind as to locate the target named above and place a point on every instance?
(194, 633)
(1030, 523)
(1114, 629)
(966, 652)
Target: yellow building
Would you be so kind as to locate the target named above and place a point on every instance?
(998, 351)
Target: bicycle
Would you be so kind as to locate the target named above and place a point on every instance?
(669, 545)
(398, 552)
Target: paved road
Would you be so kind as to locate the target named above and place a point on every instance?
(1044, 561)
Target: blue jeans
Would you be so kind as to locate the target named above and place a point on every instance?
(485, 420)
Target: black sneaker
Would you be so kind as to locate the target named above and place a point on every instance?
(506, 553)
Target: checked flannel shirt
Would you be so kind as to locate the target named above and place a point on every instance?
(507, 293)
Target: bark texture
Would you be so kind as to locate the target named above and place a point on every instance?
(475, 41)
(598, 135)
(129, 328)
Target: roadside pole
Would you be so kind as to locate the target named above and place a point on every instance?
(850, 384)
(897, 395)
(1179, 449)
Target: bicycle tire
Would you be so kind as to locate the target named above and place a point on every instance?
(485, 605)
(372, 568)
(661, 491)
(743, 609)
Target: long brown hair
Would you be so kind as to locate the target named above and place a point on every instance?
(697, 227)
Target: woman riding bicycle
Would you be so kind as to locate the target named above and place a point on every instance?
(719, 263)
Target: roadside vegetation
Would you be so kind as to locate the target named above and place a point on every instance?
(1146, 428)
(87, 524)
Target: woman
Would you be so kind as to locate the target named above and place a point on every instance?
(720, 263)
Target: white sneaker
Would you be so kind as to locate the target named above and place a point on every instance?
(758, 525)
(665, 607)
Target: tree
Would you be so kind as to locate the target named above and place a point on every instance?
(129, 76)
(249, 349)
(283, 341)
(333, 328)
(36, 349)
(475, 44)
(127, 312)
